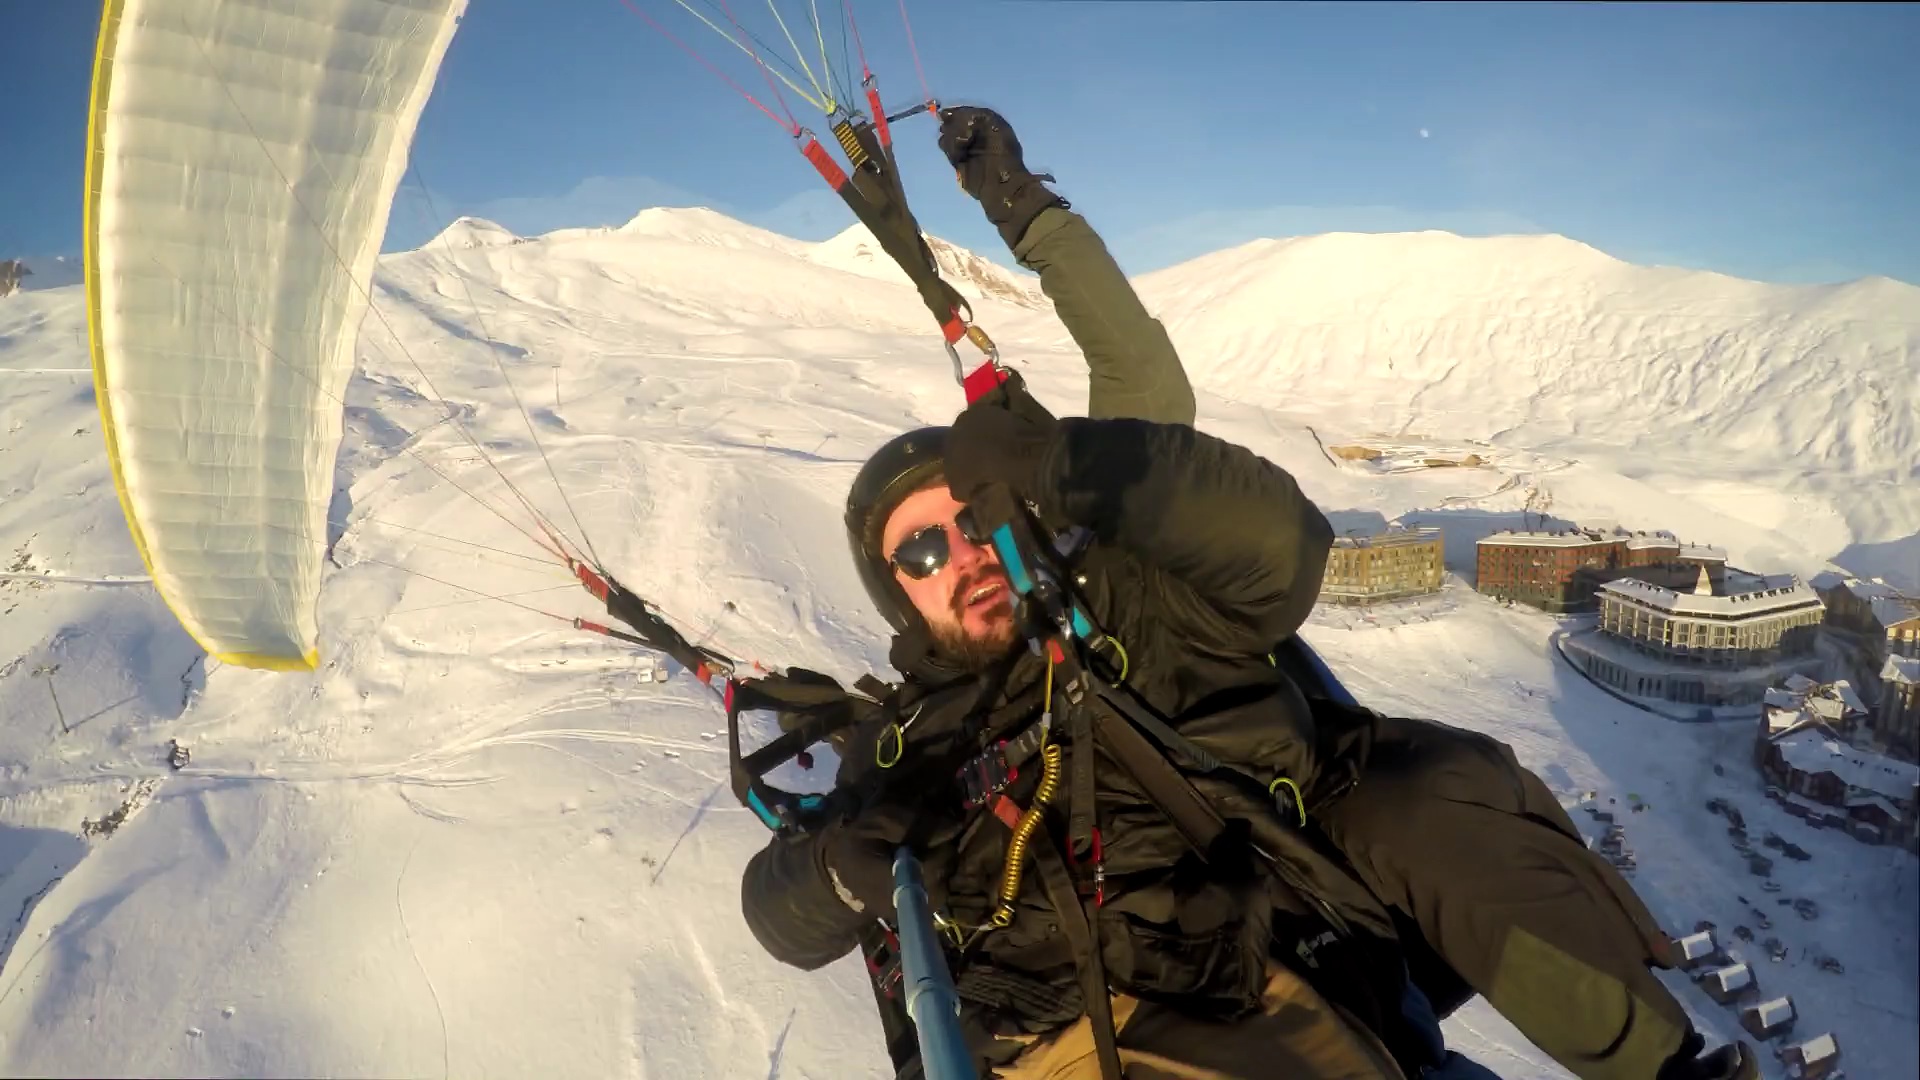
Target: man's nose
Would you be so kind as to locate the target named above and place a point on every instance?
(967, 554)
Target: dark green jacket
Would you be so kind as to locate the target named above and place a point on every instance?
(1204, 556)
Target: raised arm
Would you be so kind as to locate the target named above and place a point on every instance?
(1239, 549)
(1134, 369)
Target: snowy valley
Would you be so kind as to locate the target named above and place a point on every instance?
(478, 842)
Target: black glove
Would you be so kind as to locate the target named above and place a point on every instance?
(986, 158)
(1002, 438)
(858, 853)
(1734, 1061)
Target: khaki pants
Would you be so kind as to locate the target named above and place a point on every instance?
(1297, 1035)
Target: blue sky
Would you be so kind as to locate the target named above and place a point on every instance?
(1777, 142)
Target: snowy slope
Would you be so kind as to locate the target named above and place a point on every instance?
(1782, 408)
(480, 843)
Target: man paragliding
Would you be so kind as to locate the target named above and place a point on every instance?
(1153, 835)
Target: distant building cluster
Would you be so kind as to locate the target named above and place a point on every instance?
(1879, 628)
(1699, 648)
(1732, 982)
(1806, 749)
(1561, 572)
(1392, 565)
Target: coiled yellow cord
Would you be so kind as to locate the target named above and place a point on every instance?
(1016, 864)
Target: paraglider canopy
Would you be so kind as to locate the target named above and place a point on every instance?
(241, 160)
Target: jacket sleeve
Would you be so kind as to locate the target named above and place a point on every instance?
(1239, 548)
(792, 909)
(1133, 368)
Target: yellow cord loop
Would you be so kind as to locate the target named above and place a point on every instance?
(1299, 804)
(1015, 866)
(880, 755)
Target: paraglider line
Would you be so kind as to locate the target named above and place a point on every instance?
(771, 54)
(448, 539)
(915, 50)
(820, 35)
(858, 46)
(481, 593)
(500, 365)
(274, 354)
(767, 72)
(792, 128)
(334, 251)
(456, 603)
(831, 106)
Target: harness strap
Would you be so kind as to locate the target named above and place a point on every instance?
(1081, 793)
(1083, 935)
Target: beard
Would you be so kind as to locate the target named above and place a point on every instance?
(975, 652)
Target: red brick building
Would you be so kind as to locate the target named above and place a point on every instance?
(1560, 571)
(1555, 572)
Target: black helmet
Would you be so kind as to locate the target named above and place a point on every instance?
(898, 469)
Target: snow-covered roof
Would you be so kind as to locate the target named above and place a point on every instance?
(1695, 946)
(1874, 800)
(1865, 590)
(1819, 1048)
(1781, 594)
(1799, 683)
(1779, 697)
(1780, 721)
(1891, 611)
(1836, 701)
(1826, 708)
(1901, 669)
(1390, 538)
(1843, 690)
(1736, 977)
(1546, 539)
(1814, 751)
(1777, 1011)
(1703, 552)
(1642, 543)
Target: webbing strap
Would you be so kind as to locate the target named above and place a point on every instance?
(983, 380)
(1081, 789)
(1083, 934)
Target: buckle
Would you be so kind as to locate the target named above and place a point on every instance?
(883, 964)
(986, 775)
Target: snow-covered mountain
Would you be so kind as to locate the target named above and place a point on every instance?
(855, 249)
(1543, 340)
(478, 842)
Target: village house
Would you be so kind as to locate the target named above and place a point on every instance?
(1769, 1018)
(1695, 949)
(1385, 566)
(1886, 620)
(1803, 700)
(1699, 647)
(1815, 1059)
(1819, 777)
(1895, 725)
(1730, 984)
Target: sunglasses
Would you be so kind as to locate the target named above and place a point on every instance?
(926, 551)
